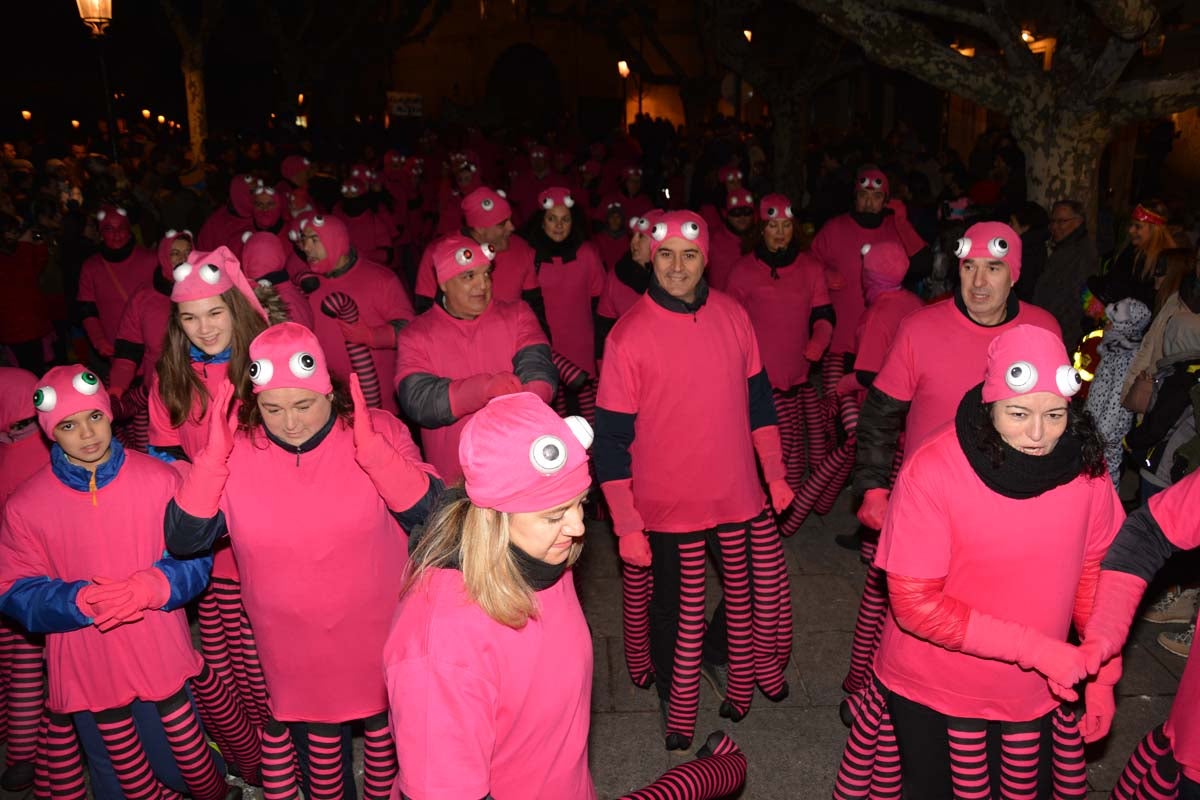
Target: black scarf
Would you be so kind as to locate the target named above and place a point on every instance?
(660, 295)
(778, 259)
(546, 249)
(634, 275)
(162, 284)
(1018, 475)
(275, 278)
(118, 255)
(1011, 308)
(354, 206)
(865, 219)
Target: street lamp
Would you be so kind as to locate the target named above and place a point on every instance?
(623, 71)
(26, 115)
(145, 113)
(749, 36)
(97, 14)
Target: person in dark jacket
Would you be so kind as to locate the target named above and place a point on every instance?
(1071, 262)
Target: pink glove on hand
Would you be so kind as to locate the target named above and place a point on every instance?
(1117, 597)
(1099, 702)
(625, 516)
(635, 549)
(873, 508)
(200, 493)
(822, 334)
(849, 384)
(541, 388)
(834, 280)
(781, 495)
(146, 589)
(503, 383)
(468, 395)
(377, 337)
(988, 637)
(400, 481)
(769, 449)
(121, 376)
(94, 598)
(95, 334)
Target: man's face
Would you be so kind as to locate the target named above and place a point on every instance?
(496, 235)
(985, 286)
(678, 266)
(1063, 222)
(868, 201)
(740, 219)
(310, 243)
(85, 437)
(469, 293)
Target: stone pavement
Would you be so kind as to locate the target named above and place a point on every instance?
(793, 748)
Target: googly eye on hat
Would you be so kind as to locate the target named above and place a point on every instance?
(65, 391)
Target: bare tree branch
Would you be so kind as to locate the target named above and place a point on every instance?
(1128, 19)
(1135, 100)
(1109, 65)
(943, 11)
(416, 35)
(1007, 34)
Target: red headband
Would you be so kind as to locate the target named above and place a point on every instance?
(1143, 214)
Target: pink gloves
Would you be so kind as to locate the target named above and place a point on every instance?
(1117, 597)
(627, 523)
(849, 384)
(541, 388)
(874, 506)
(120, 377)
(111, 603)
(200, 493)
(377, 337)
(95, 334)
(503, 383)
(1099, 703)
(468, 395)
(1062, 664)
(819, 340)
(770, 457)
(400, 481)
(909, 238)
(834, 280)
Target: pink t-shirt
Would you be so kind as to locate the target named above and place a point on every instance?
(780, 309)
(724, 250)
(1175, 512)
(110, 286)
(838, 246)
(878, 327)
(381, 298)
(223, 227)
(19, 460)
(144, 322)
(568, 289)
(54, 531)
(479, 708)
(322, 560)
(512, 272)
(439, 344)
(370, 234)
(618, 297)
(939, 353)
(685, 377)
(1018, 560)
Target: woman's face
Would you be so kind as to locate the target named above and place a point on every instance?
(557, 223)
(294, 415)
(548, 535)
(639, 247)
(777, 234)
(1139, 234)
(207, 323)
(1032, 423)
(180, 249)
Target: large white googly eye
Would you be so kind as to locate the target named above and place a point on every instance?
(261, 371)
(45, 398)
(170, 232)
(547, 204)
(463, 256)
(772, 212)
(548, 454)
(86, 383)
(269, 191)
(122, 212)
(876, 183)
(502, 193)
(739, 175)
(318, 220)
(489, 252)
(963, 247)
(250, 179)
(246, 236)
(346, 189)
(690, 230)
(1069, 380)
(659, 232)
(864, 183)
(569, 201)
(1021, 377)
(787, 212)
(210, 274)
(643, 224)
(181, 272)
(302, 364)
(294, 235)
(487, 205)
(266, 284)
(866, 248)
(100, 215)
(998, 247)
(582, 430)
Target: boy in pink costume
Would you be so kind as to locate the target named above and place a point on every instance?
(458, 355)
(82, 560)
(316, 503)
(685, 359)
(383, 306)
(110, 277)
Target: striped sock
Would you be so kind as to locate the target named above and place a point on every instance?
(968, 758)
(637, 584)
(735, 585)
(26, 698)
(689, 643)
(772, 606)
(718, 774)
(872, 610)
(325, 775)
(379, 758)
(186, 740)
(1020, 757)
(129, 761)
(279, 777)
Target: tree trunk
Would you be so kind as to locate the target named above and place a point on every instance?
(1062, 156)
(197, 106)
(789, 114)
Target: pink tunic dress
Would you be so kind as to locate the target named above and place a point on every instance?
(568, 289)
(110, 285)
(879, 325)
(55, 531)
(144, 322)
(323, 560)
(1018, 560)
(479, 708)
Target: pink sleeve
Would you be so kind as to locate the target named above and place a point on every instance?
(161, 433)
(820, 289)
(873, 342)
(618, 389)
(87, 282)
(1175, 512)
(606, 307)
(22, 554)
(426, 276)
(412, 354)
(391, 301)
(529, 331)
(442, 721)
(530, 282)
(820, 247)
(1105, 518)
(754, 363)
(595, 272)
(898, 376)
(916, 536)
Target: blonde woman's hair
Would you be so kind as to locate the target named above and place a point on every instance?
(1160, 239)
(476, 541)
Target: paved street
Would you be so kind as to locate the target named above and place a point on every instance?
(793, 747)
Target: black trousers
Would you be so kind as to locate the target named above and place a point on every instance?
(1188, 789)
(925, 751)
(664, 605)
